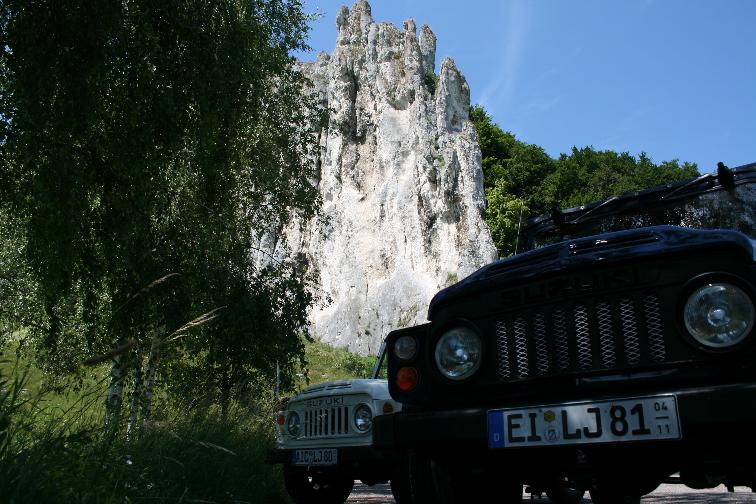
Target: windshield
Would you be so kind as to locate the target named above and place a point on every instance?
(700, 203)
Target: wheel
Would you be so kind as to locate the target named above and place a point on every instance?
(420, 480)
(610, 494)
(400, 488)
(441, 481)
(327, 487)
(565, 491)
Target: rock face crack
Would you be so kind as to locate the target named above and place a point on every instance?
(401, 181)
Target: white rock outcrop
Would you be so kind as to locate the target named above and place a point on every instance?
(401, 182)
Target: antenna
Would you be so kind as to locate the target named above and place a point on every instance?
(519, 226)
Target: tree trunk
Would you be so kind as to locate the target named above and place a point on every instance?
(225, 393)
(115, 393)
(136, 397)
(149, 382)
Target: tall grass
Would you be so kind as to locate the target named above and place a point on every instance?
(327, 363)
(53, 447)
(53, 454)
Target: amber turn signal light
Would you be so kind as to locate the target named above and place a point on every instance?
(387, 408)
(406, 379)
(280, 420)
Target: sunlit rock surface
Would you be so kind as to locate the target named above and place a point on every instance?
(401, 181)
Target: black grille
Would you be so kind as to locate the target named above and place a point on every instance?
(612, 333)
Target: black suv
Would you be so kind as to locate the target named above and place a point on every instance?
(616, 351)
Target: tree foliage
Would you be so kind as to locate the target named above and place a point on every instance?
(157, 139)
(522, 181)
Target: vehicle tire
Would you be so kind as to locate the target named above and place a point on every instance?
(401, 488)
(609, 494)
(304, 487)
(420, 480)
(565, 491)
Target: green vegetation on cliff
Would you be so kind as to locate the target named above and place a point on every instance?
(521, 180)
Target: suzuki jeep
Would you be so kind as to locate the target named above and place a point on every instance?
(615, 350)
(325, 439)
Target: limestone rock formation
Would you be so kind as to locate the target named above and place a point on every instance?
(401, 181)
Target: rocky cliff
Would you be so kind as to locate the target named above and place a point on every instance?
(401, 181)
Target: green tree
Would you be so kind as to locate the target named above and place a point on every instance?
(504, 216)
(156, 139)
(513, 172)
(522, 181)
(588, 175)
(496, 145)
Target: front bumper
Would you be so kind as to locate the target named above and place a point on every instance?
(717, 425)
(347, 455)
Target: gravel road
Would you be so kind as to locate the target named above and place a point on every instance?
(665, 494)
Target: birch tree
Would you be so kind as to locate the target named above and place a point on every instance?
(148, 138)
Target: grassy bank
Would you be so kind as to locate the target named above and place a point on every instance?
(53, 447)
(326, 363)
(55, 455)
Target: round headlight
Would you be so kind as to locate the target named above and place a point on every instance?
(405, 347)
(458, 353)
(292, 423)
(719, 315)
(363, 418)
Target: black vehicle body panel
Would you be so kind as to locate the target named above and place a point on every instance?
(668, 268)
(714, 436)
(585, 253)
(703, 411)
(596, 318)
(716, 426)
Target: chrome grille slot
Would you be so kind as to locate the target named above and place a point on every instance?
(502, 342)
(326, 422)
(521, 348)
(568, 337)
(583, 337)
(630, 331)
(560, 339)
(656, 342)
(542, 349)
(606, 333)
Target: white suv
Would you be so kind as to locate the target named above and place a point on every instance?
(325, 439)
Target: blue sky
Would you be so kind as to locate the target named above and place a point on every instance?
(673, 78)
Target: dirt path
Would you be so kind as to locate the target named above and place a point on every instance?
(665, 494)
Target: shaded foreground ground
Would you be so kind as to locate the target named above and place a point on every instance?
(665, 494)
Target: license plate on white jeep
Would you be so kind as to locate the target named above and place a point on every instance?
(639, 419)
(314, 457)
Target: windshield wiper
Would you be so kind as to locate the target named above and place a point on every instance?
(690, 183)
(724, 176)
(600, 205)
(559, 219)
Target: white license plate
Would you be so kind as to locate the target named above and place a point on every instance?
(638, 419)
(314, 457)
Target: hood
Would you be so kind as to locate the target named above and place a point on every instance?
(377, 389)
(604, 248)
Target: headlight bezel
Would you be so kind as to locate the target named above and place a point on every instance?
(364, 407)
(447, 328)
(293, 414)
(415, 352)
(702, 281)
